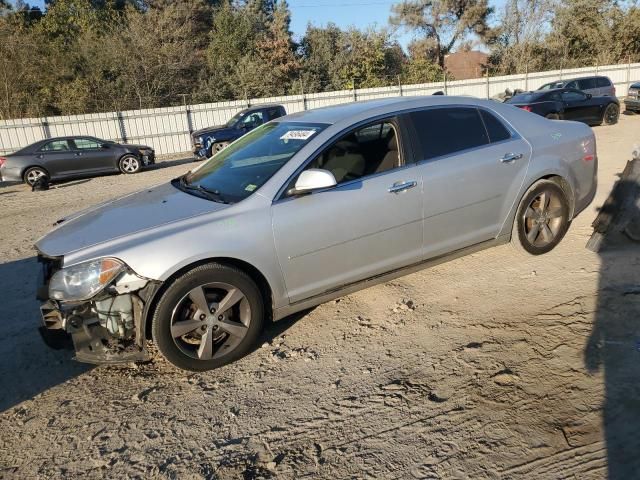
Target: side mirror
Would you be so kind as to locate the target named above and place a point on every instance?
(105, 145)
(589, 96)
(313, 179)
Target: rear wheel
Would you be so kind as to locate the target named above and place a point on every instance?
(31, 175)
(542, 218)
(208, 317)
(611, 114)
(129, 164)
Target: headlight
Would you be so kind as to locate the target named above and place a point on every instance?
(83, 281)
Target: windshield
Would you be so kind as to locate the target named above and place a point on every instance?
(551, 86)
(244, 166)
(235, 119)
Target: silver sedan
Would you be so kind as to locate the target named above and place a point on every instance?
(302, 210)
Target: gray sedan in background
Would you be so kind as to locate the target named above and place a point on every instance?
(302, 210)
(65, 157)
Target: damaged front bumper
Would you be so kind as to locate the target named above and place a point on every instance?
(106, 329)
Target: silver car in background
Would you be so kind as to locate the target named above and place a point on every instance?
(302, 210)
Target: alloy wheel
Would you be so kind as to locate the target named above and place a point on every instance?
(210, 321)
(34, 174)
(543, 219)
(130, 164)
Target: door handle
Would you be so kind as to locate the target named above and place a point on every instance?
(511, 157)
(402, 186)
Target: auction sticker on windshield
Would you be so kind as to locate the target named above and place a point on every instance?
(297, 135)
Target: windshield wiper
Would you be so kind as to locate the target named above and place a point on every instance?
(213, 195)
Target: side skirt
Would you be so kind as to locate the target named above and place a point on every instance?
(332, 294)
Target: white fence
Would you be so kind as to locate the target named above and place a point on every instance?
(168, 129)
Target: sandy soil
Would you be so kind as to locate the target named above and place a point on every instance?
(491, 366)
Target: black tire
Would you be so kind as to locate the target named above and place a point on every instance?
(216, 147)
(611, 114)
(529, 234)
(552, 116)
(129, 164)
(176, 308)
(33, 173)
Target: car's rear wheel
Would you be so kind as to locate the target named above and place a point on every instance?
(553, 116)
(129, 164)
(208, 317)
(611, 114)
(33, 174)
(542, 218)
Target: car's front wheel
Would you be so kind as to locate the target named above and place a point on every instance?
(129, 164)
(542, 218)
(216, 147)
(208, 317)
(611, 114)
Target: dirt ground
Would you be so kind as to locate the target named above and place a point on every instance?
(491, 366)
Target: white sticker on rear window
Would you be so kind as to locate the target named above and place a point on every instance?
(297, 135)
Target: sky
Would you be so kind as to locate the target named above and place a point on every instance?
(344, 13)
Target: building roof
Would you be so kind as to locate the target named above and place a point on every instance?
(464, 65)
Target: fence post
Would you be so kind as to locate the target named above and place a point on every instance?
(304, 98)
(596, 67)
(487, 74)
(444, 73)
(526, 78)
(46, 131)
(399, 85)
(628, 73)
(122, 127)
(355, 95)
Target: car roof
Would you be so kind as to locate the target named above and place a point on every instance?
(356, 111)
(260, 107)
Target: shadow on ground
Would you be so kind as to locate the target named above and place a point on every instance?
(27, 367)
(614, 347)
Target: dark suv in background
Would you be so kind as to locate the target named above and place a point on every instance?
(208, 141)
(595, 85)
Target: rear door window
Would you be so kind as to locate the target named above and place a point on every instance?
(274, 113)
(56, 146)
(495, 128)
(86, 144)
(603, 82)
(443, 131)
(587, 84)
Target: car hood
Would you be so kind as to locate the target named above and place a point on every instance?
(219, 129)
(123, 216)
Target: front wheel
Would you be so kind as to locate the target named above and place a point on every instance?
(208, 317)
(611, 114)
(129, 164)
(542, 218)
(217, 147)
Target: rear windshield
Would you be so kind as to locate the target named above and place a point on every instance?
(525, 98)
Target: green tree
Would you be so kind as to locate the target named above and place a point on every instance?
(443, 23)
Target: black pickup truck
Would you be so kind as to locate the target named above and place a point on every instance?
(207, 141)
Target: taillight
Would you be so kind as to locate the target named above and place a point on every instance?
(526, 107)
(2, 160)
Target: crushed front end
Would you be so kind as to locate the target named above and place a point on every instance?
(99, 304)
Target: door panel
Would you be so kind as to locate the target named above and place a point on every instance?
(57, 157)
(468, 195)
(93, 158)
(348, 233)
